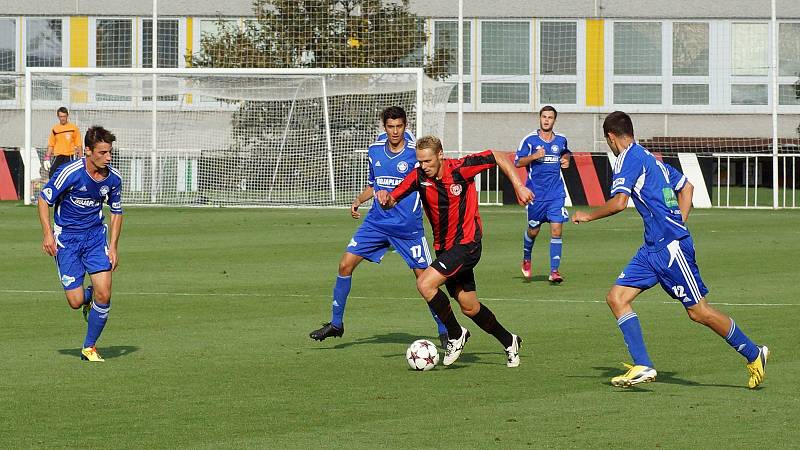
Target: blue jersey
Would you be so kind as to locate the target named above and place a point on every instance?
(652, 186)
(78, 198)
(386, 171)
(544, 174)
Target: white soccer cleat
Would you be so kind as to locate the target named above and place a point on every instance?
(512, 353)
(454, 347)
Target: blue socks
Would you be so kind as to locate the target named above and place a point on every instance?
(98, 316)
(555, 253)
(632, 333)
(340, 292)
(439, 325)
(527, 246)
(741, 343)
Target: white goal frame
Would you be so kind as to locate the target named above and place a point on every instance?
(27, 151)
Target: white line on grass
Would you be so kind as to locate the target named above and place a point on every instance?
(235, 294)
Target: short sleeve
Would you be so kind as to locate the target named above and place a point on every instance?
(51, 139)
(626, 170)
(523, 150)
(676, 179)
(57, 185)
(370, 173)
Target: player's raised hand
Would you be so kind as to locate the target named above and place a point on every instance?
(49, 245)
(354, 209)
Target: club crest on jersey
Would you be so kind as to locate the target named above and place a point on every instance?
(402, 167)
(104, 190)
(48, 193)
(455, 189)
(554, 148)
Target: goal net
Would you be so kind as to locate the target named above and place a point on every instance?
(231, 137)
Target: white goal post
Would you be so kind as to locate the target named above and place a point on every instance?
(230, 137)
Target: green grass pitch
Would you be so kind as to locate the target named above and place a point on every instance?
(207, 342)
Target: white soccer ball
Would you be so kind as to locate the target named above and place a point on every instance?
(422, 355)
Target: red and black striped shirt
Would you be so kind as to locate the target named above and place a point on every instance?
(451, 202)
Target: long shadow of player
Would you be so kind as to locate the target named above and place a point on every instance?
(663, 377)
(114, 351)
(388, 338)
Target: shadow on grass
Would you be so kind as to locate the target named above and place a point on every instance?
(663, 377)
(114, 351)
(388, 338)
(533, 279)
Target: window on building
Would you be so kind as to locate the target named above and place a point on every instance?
(114, 43)
(505, 62)
(168, 37)
(445, 36)
(789, 63)
(558, 62)
(44, 45)
(8, 44)
(690, 60)
(750, 49)
(637, 62)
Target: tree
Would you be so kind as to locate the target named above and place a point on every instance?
(323, 34)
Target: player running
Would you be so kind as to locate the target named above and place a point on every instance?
(78, 240)
(447, 189)
(391, 157)
(543, 154)
(667, 256)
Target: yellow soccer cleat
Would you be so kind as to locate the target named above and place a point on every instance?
(634, 375)
(757, 368)
(90, 354)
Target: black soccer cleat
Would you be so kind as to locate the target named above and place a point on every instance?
(327, 330)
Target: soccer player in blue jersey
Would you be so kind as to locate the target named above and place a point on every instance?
(78, 241)
(663, 198)
(391, 157)
(543, 154)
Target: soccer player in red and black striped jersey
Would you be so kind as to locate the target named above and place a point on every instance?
(450, 200)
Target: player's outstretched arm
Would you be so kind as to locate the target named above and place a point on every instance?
(524, 195)
(113, 240)
(614, 205)
(48, 241)
(365, 195)
(685, 200)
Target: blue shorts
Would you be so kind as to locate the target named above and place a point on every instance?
(79, 253)
(674, 267)
(372, 244)
(552, 211)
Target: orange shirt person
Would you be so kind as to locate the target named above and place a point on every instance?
(64, 142)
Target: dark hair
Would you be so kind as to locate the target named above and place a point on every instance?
(548, 108)
(618, 123)
(393, 112)
(431, 142)
(97, 134)
(63, 109)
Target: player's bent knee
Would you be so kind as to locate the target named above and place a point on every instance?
(700, 313)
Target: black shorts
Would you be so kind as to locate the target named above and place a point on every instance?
(456, 263)
(59, 161)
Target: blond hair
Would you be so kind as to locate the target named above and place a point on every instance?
(431, 142)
